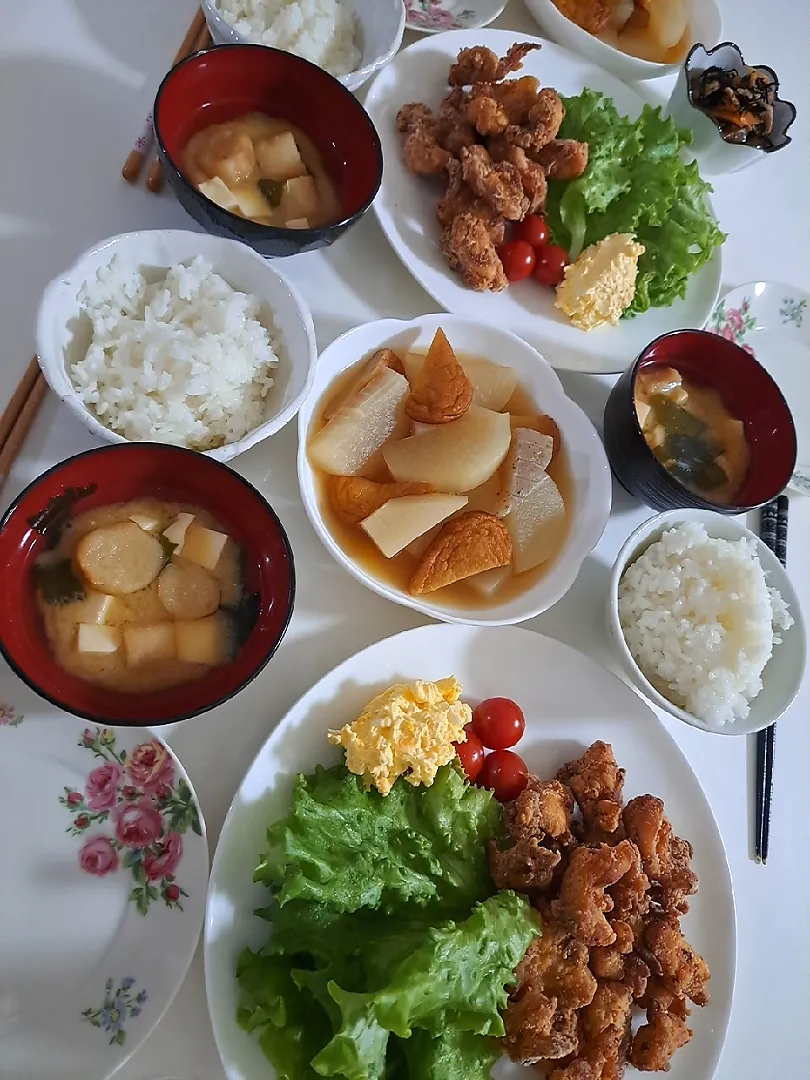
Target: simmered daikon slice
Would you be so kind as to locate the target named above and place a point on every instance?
(120, 559)
(537, 525)
(400, 521)
(454, 457)
(188, 591)
(488, 581)
(98, 639)
(204, 546)
(146, 644)
(203, 641)
(493, 384)
(360, 427)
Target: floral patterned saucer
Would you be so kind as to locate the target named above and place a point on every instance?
(772, 322)
(103, 876)
(433, 16)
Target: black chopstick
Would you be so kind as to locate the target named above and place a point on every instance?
(773, 532)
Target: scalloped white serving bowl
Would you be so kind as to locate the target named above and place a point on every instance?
(381, 24)
(705, 25)
(61, 337)
(783, 673)
(590, 472)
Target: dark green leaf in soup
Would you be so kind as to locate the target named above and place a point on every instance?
(272, 191)
(58, 583)
(705, 476)
(168, 547)
(674, 419)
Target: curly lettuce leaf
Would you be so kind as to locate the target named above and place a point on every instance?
(636, 182)
(451, 1055)
(347, 848)
(455, 981)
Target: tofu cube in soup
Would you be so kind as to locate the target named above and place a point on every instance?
(147, 644)
(202, 641)
(92, 638)
(204, 546)
(219, 193)
(230, 156)
(300, 199)
(120, 559)
(97, 608)
(176, 532)
(250, 202)
(279, 158)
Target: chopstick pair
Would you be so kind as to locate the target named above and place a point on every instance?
(773, 532)
(197, 38)
(19, 415)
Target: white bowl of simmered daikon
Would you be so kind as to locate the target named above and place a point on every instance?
(442, 464)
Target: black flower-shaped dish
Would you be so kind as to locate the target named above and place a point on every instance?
(733, 110)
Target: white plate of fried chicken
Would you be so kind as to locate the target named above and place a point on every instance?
(613, 841)
(417, 208)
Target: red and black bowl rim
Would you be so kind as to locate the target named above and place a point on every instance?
(275, 587)
(240, 224)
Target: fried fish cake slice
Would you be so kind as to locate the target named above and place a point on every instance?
(466, 545)
(353, 498)
(441, 391)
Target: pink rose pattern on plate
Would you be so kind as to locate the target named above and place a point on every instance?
(146, 809)
(9, 717)
(434, 15)
(733, 323)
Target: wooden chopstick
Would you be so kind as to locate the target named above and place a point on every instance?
(154, 180)
(143, 144)
(21, 425)
(17, 400)
(773, 532)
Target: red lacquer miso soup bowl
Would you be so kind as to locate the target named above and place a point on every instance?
(32, 534)
(746, 392)
(230, 81)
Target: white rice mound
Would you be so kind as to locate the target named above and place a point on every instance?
(701, 622)
(321, 31)
(182, 360)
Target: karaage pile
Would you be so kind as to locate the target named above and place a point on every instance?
(494, 141)
(611, 882)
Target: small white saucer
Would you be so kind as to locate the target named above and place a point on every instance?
(434, 16)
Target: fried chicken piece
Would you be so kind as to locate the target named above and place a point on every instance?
(421, 151)
(656, 1041)
(596, 781)
(542, 124)
(629, 894)
(607, 961)
(465, 545)
(492, 107)
(441, 391)
(536, 1030)
(535, 185)
(454, 130)
(353, 498)
(666, 858)
(661, 997)
(683, 969)
(524, 866)
(460, 199)
(636, 976)
(480, 64)
(583, 898)
(558, 963)
(562, 159)
(543, 809)
(499, 183)
(471, 252)
(591, 15)
(604, 1037)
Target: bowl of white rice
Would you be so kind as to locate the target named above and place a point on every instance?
(177, 337)
(351, 39)
(706, 622)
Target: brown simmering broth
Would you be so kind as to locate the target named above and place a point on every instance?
(144, 607)
(691, 433)
(232, 152)
(397, 571)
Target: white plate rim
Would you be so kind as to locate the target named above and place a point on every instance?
(488, 11)
(439, 283)
(174, 943)
(434, 636)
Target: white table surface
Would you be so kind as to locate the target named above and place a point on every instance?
(76, 79)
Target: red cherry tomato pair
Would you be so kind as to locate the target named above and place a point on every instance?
(497, 723)
(530, 254)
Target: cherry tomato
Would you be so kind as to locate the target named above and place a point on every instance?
(505, 772)
(498, 722)
(470, 754)
(550, 265)
(533, 230)
(518, 259)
